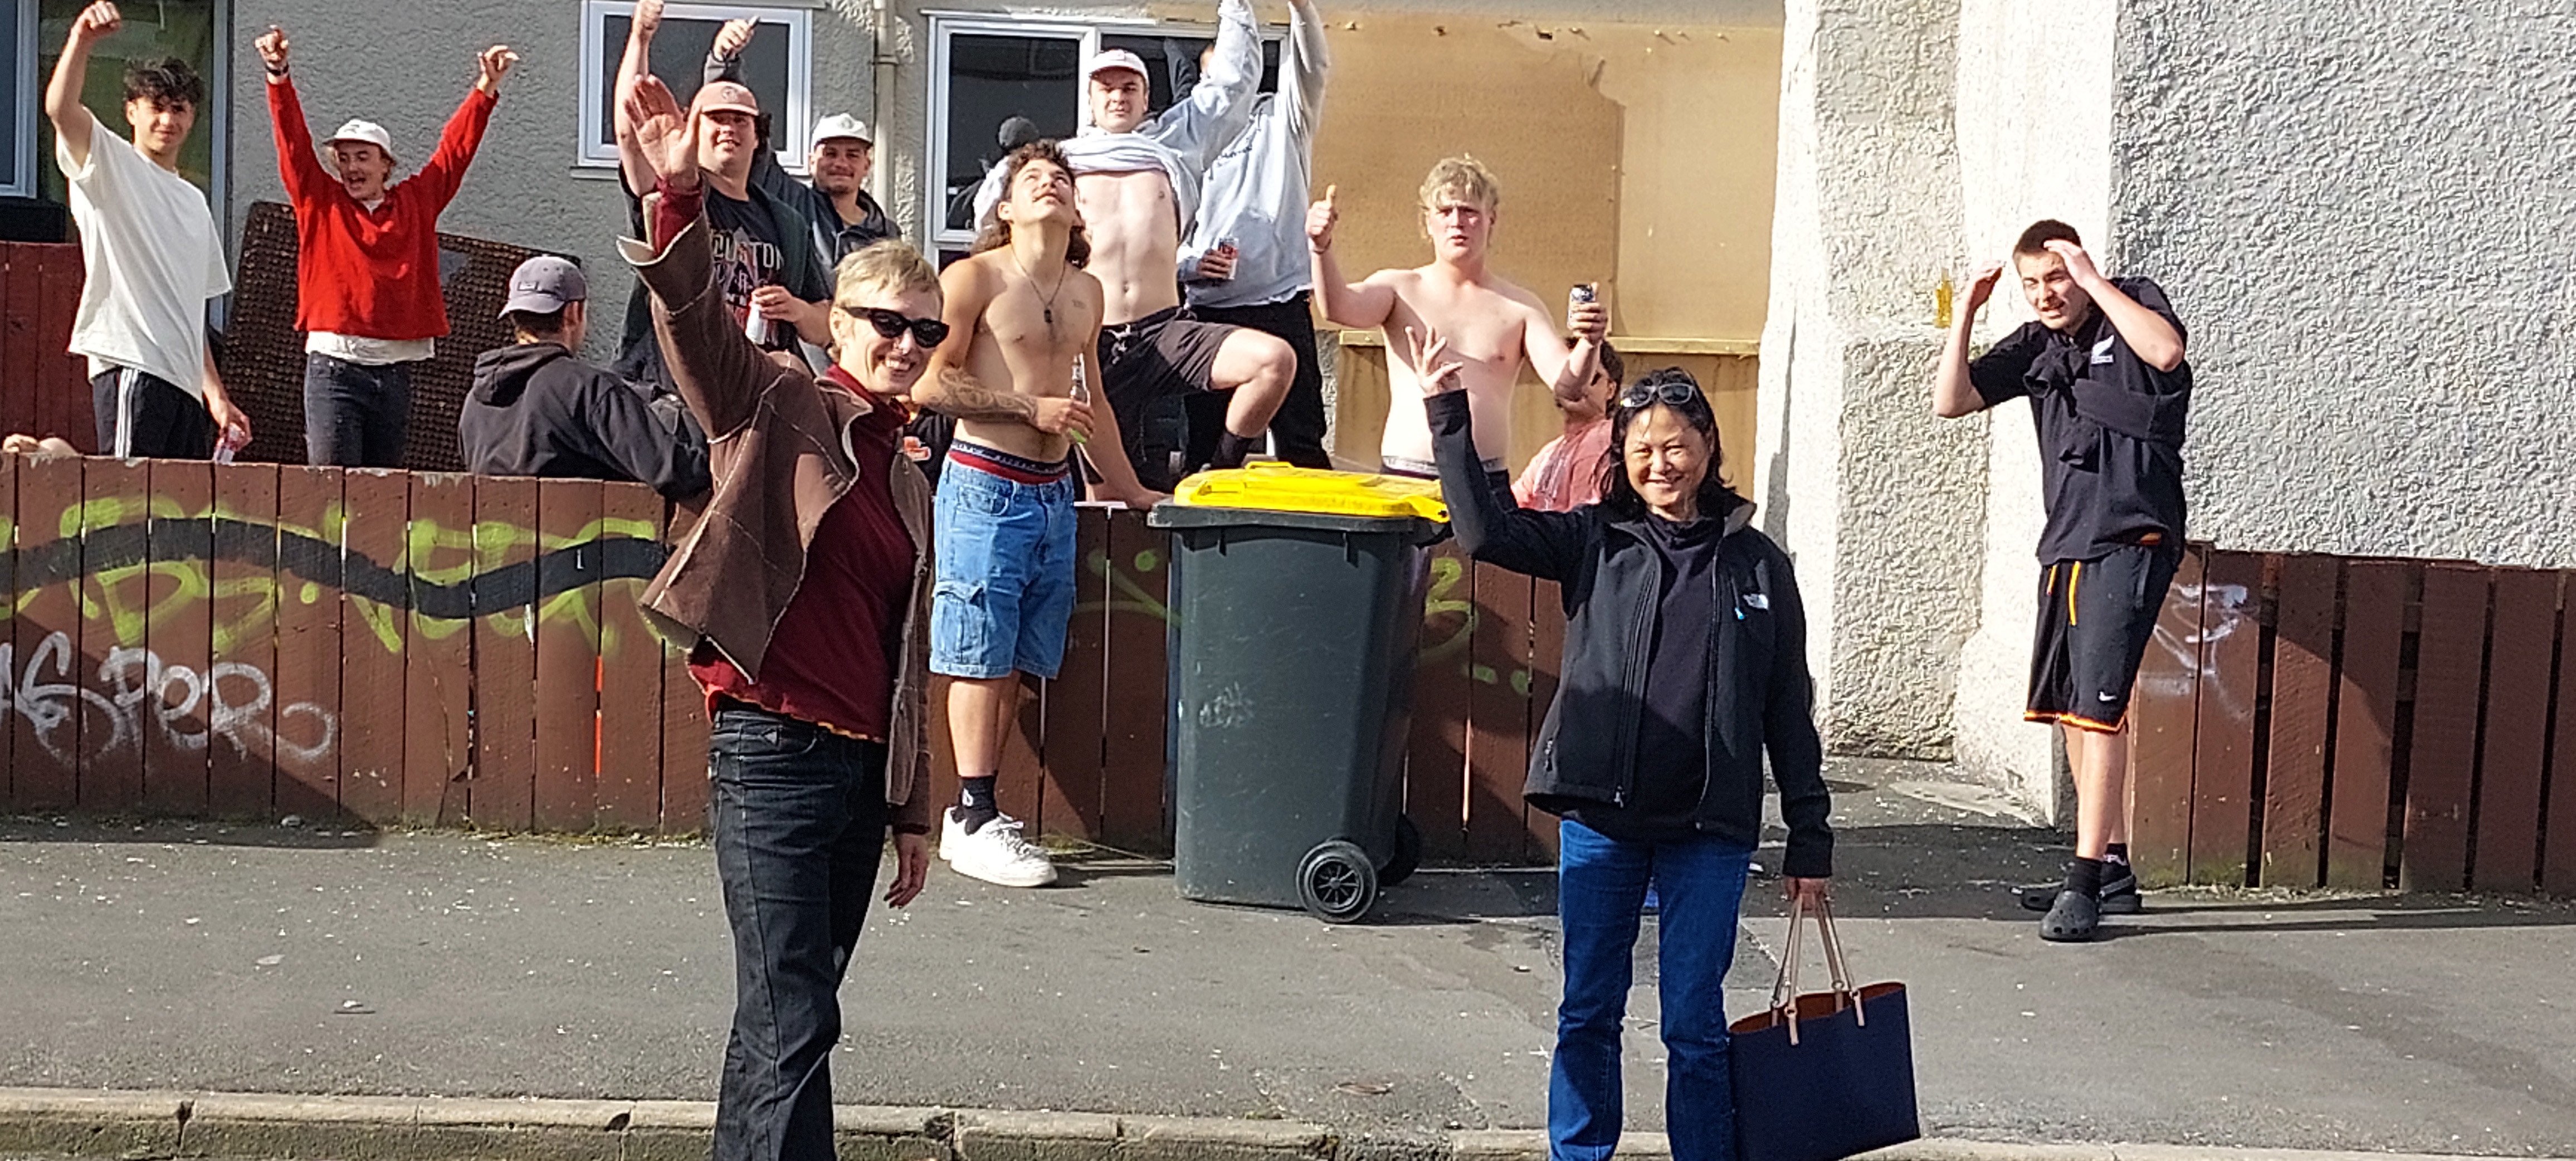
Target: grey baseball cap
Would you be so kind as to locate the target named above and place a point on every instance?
(545, 284)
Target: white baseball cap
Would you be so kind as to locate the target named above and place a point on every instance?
(1116, 58)
(842, 127)
(367, 131)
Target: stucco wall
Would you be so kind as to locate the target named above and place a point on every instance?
(2360, 210)
(406, 66)
(1882, 508)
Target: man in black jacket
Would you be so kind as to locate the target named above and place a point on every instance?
(538, 410)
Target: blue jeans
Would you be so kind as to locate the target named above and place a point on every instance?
(1003, 593)
(355, 416)
(800, 819)
(1600, 889)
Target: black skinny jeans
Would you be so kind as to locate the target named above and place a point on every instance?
(800, 822)
(355, 416)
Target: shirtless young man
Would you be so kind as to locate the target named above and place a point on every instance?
(1491, 324)
(1022, 319)
(1138, 180)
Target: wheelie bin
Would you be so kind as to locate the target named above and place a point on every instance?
(1296, 598)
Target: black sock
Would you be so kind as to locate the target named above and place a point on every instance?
(2119, 853)
(2085, 877)
(977, 806)
(1231, 449)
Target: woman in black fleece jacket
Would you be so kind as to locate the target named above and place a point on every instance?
(1685, 662)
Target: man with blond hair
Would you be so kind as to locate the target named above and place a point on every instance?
(1492, 326)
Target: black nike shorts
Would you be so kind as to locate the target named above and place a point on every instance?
(2096, 618)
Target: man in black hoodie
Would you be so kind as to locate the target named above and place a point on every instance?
(538, 410)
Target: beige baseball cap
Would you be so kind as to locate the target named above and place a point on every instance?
(367, 131)
(1116, 58)
(842, 127)
(725, 95)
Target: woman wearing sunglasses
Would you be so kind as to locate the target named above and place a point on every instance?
(1685, 663)
(804, 590)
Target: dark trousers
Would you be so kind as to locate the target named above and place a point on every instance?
(800, 822)
(355, 416)
(144, 415)
(1298, 429)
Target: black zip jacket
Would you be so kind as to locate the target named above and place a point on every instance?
(1760, 698)
(535, 410)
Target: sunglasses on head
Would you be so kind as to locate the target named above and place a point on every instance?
(1670, 388)
(929, 332)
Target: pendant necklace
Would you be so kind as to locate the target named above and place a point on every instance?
(1046, 302)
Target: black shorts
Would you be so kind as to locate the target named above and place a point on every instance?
(1147, 368)
(2095, 620)
(144, 415)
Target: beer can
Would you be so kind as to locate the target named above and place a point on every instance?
(1583, 294)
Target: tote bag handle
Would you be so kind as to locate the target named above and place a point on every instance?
(1784, 987)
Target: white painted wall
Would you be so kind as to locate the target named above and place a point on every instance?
(2362, 211)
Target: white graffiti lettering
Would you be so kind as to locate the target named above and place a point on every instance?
(140, 690)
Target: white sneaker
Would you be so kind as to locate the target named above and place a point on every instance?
(995, 853)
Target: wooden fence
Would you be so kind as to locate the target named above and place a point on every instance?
(43, 389)
(392, 648)
(2315, 721)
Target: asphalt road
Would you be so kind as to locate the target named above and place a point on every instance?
(291, 959)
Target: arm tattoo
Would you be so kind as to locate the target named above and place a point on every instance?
(959, 396)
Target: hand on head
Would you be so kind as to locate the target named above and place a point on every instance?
(1320, 219)
(2079, 265)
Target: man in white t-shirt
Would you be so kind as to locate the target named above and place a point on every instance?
(153, 259)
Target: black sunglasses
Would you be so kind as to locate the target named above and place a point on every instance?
(929, 332)
(1673, 388)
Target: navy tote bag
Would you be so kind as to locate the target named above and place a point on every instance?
(1826, 1075)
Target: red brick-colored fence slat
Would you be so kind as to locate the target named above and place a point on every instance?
(175, 596)
(1069, 801)
(2441, 761)
(20, 288)
(46, 634)
(1020, 768)
(501, 795)
(1498, 716)
(2294, 789)
(2167, 736)
(438, 659)
(2558, 841)
(567, 690)
(311, 731)
(2374, 622)
(684, 719)
(630, 674)
(1435, 767)
(8, 606)
(2516, 732)
(1547, 646)
(241, 757)
(62, 379)
(113, 728)
(1138, 574)
(2223, 775)
(374, 639)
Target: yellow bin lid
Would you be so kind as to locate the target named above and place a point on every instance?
(1272, 486)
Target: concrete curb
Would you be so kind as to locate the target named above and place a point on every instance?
(150, 1126)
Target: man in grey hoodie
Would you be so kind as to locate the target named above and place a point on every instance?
(538, 410)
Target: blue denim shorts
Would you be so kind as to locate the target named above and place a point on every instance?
(1003, 595)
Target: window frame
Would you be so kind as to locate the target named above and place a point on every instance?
(28, 101)
(947, 25)
(790, 126)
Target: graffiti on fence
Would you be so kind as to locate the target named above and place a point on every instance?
(137, 690)
(2226, 609)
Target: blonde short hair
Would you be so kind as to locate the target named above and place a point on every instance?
(888, 266)
(1465, 179)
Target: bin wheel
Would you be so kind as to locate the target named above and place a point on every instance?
(1336, 882)
(1408, 853)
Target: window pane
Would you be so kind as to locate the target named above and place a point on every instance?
(17, 118)
(992, 79)
(180, 28)
(680, 57)
(1172, 63)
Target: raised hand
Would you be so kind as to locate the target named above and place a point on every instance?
(1589, 320)
(272, 46)
(2079, 265)
(646, 21)
(1439, 374)
(665, 134)
(1320, 219)
(733, 38)
(1982, 286)
(495, 63)
(96, 23)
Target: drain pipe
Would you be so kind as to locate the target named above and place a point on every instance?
(881, 81)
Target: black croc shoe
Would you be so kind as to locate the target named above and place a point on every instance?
(2119, 894)
(2073, 919)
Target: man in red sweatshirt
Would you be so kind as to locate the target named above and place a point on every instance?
(366, 278)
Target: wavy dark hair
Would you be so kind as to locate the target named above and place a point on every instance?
(167, 80)
(1077, 249)
(1618, 496)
